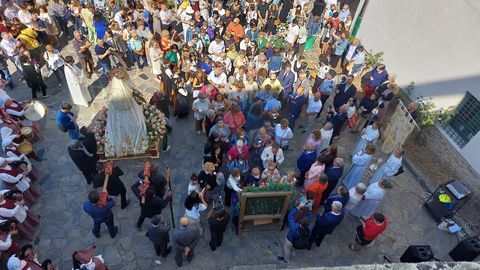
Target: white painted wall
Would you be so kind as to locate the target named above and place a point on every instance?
(434, 43)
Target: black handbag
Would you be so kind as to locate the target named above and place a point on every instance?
(400, 171)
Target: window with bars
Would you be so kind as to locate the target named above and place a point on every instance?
(466, 122)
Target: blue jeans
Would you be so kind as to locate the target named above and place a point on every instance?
(110, 225)
(356, 68)
(74, 134)
(6, 76)
(106, 66)
(137, 60)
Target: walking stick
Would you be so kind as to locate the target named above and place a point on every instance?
(167, 176)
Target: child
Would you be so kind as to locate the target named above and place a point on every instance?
(289, 178)
(307, 200)
(193, 185)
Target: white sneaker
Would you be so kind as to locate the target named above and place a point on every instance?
(158, 262)
(166, 150)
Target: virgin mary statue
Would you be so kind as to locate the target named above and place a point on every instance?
(126, 133)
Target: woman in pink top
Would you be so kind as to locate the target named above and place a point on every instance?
(234, 118)
(315, 171)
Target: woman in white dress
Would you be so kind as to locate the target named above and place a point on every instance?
(370, 135)
(156, 56)
(326, 133)
(76, 83)
(389, 168)
(360, 162)
(355, 196)
(372, 198)
(52, 29)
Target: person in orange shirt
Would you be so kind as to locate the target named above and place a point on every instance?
(317, 189)
(236, 29)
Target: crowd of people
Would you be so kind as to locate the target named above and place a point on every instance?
(240, 69)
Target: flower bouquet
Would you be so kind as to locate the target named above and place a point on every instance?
(156, 125)
(99, 129)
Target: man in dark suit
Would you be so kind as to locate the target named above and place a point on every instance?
(157, 232)
(100, 214)
(337, 119)
(345, 90)
(150, 203)
(88, 140)
(156, 179)
(218, 221)
(326, 224)
(334, 174)
(286, 78)
(115, 186)
(185, 238)
(84, 160)
(305, 161)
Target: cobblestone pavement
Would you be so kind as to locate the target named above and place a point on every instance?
(65, 227)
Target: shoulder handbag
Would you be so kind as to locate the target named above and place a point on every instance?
(400, 171)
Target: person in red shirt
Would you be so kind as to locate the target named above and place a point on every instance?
(317, 188)
(370, 229)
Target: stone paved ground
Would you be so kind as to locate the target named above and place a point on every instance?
(66, 228)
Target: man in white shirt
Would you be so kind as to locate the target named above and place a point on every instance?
(272, 153)
(11, 11)
(217, 77)
(11, 47)
(166, 16)
(216, 48)
(313, 108)
(118, 17)
(350, 51)
(292, 34)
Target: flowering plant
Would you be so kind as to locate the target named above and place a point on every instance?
(99, 129)
(156, 124)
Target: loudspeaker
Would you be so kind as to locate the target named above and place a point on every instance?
(415, 254)
(466, 250)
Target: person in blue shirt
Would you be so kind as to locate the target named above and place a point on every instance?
(266, 93)
(66, 121)
(340, 46)
(100, 214)
(327, 223)
(275, 64)
(299, 220)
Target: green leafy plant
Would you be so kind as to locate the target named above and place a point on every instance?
(373, 59)
(405, 93)
(429, 114)
(272, 186)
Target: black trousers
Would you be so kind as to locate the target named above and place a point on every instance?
(122, 192)
(179, 256)
(38, 87)
(89, 175)
(58, 73)
(317, 237)
(160, 248)
(141, 219)
(216, 241)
